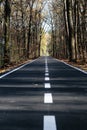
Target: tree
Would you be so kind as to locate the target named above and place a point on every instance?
(7, 11)
(69, 26)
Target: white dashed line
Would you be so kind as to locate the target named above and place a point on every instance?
(46, 74)
(47, 85)
(46, 68)
(47, 78)
(48, 98)
(46, 71)
(49, 123)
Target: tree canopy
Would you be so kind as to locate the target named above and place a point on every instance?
(22, 23)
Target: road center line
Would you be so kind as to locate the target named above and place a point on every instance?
(47, 85)
(46, 66)
(47, 78)
(48, 98)
(46, 71)
(46, 74)
(49, 123)
(46, 61)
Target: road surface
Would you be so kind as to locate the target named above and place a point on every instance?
(45, 94)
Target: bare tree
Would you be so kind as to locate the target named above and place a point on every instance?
(69, 25)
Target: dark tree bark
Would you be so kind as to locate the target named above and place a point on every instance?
(7, 11)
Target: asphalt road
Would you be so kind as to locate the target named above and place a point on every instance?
(45, 94)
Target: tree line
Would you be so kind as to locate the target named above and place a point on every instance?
(20, 30)
(68, 19)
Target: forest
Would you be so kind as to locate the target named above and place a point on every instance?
(69, 29)
(22, 30)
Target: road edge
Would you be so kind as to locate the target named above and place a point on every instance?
(83, 71)
(15, 69)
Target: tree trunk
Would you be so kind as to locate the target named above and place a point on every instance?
(71, 32)
(7, 12)
(29, 33)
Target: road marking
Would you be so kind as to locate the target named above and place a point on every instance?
(47, 85)
(47, 78)
(48, 98)
(46, 74)
(46, 71)
(49, 123)
(46, 66)
(45, 60)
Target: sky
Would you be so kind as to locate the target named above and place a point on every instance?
(46, 23)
